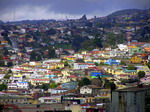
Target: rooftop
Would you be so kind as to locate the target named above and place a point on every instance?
(134, 89)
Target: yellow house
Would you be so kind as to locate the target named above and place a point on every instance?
(120, 72)
(70, 57)
(84, 52)
(17, 75)
(87, 60)
(39, 81)
(59, 65)
(136, 59)
(103, 60)
(113, 71)
(4, 42)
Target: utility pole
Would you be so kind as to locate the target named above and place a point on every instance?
(14, 16)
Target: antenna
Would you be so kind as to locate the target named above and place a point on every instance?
(61, 16)
(14, 16)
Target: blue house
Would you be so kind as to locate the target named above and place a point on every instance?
(70, 85)
(96, 74)
(50, 76)
(112, 62)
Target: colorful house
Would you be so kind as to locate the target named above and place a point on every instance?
(136, 59)
(70, 57)
(69, 85)
(96, 74)
(112, 62)
(39, 81)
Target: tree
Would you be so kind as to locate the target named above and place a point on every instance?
(110, 85)
(9, 64)
(88, 45)
(51, 52)
(53, 85)
(131, 67)
(96, 64)
(84, 81)
(66, 63)
(79, 60)
(1, 60)
(30, 85)
(34, 56)
(97, 82)
(3, 87)
(7, 76)
(141, 74)
(45, 86)
(148, 64)
(98, 41)
(123, 63)
(51, 31)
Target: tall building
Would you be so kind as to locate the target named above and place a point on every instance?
(133, 99)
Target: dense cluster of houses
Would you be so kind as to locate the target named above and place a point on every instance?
(106, 64)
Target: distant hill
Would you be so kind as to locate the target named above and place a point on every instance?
(124, 12)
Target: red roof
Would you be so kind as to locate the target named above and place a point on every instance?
(72, 76)
(40, 79)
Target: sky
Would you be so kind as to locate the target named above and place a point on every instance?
(11, 10)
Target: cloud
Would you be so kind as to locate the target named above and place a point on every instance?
(38, 9)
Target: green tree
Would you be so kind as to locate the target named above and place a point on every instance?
(45, 86)
(7, 76)
(123, 63)
(131, 67)
(84, 81)
(34, 56)
(98, 40)
(3, 87)
(66, 63)
(53, 85)
(148, 64)
(88, 45)
(110, 85)
(51, 31)
(141, 74)
(51, 52)
(112, 39)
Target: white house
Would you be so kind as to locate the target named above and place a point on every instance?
(12, 85)
(89, 89)
(2, 76)
(18, 85)
(57, 90)
(22, 85)
(83, 65)
(53, 99)
(123, 47)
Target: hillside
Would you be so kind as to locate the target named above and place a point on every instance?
(125, 12)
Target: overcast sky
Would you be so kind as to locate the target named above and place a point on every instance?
(57, 9)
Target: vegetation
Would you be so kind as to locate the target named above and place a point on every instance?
(53, 85)
(7, 76)
(3, 87)
(84, 81)
(141, 74)
(110, 85)
(131, 67)
(44, 86)
(35, 56)
(97, 82)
